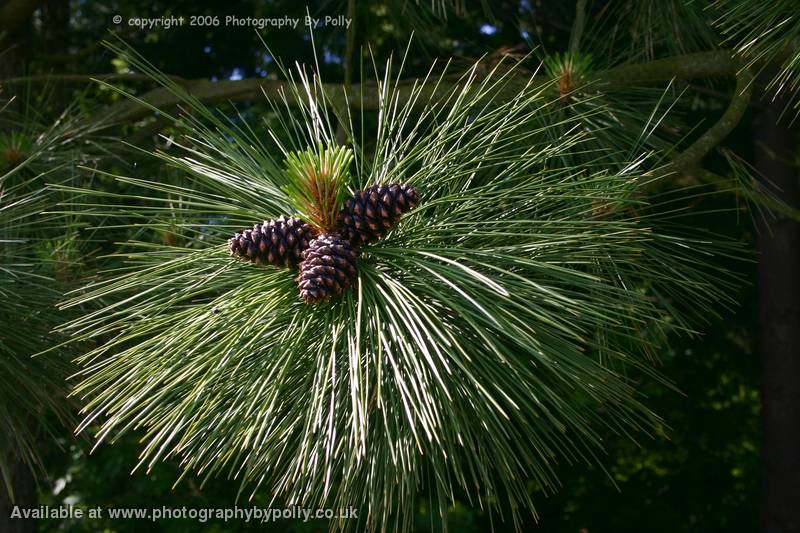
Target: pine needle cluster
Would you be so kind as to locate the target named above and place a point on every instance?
(491, 334)
(37, 260)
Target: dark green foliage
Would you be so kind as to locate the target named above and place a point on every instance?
(37, 264)
(499, 344)
(766, 37)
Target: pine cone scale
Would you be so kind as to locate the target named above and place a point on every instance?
(327, 269)
(371, 213)
(278, 242)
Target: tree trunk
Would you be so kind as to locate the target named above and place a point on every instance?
(24, 496)
(779, 326)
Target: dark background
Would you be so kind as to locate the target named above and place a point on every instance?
(702, 476)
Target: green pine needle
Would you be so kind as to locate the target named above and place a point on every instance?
(491, 335)
(317, 183)
(37, 259)
(765, 37)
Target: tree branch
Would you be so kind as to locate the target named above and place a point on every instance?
(236, 90)
(84, 78)
(694, 154)
(689, 66)
(686, 67)
(687, 163)
(682, 67)
(762, 198)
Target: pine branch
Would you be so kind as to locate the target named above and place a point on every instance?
(685, 67)
(682, 67)
(748, 194)
(694, 154)
(83, 79)
(495, 330)
(231, 90)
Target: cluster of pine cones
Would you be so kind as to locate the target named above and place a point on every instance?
(327, 258)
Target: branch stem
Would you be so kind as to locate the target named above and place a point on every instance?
(688, 66)
(695, 153)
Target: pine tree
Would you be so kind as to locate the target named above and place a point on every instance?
(511, 313)
(492, 297)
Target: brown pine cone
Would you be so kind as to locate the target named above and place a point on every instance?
(279, 242)
(328, 266)
(371, 213)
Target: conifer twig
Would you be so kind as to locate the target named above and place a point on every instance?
(694, 154)
(685, 67)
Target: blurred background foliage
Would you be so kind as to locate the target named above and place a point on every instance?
(702, 475)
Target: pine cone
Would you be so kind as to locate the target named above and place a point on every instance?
(371, 213)
(328, 265)
(279, 242)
